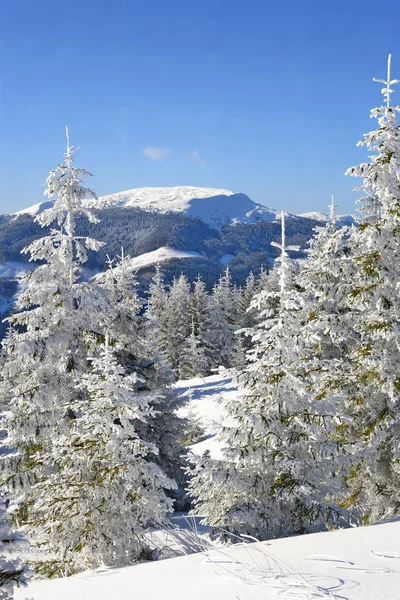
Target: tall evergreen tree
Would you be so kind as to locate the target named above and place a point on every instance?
(157, 316)
(178, 323)
(223, 311)
(63, 472)
(163, 427)
(111, 488)
(371, 391)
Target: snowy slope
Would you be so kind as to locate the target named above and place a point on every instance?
(351, 564)
(148, 259)
(316, 216)
(206, 398)
(161, 255)
(34, 210)
(214, 206)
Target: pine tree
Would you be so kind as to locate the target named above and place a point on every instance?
(121, 283)
(246, 321)
(111, 488)
(223, 311)
(163, 427)
(194, 361)
(371, 391)
(277, 477)
(12, 544)
(156, 316)
(178, 323)
(46, 356)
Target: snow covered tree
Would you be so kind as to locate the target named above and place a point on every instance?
(246, 321)
(107, 489)
(121, 283)
(324, 278)
(178, 323)
(163, 427)
(223, 311)
(279, 475)
(194, 360)
(156, 316)
(12, 544)
(46, 355)
(372, 389)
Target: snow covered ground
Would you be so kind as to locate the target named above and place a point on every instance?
(351, 564)
(206, 399)
(161, 255)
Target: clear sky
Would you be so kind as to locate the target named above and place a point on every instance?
(261, 97)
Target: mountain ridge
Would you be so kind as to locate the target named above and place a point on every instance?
(216, 207)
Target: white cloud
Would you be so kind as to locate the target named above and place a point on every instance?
(157, 153)
(195, 155)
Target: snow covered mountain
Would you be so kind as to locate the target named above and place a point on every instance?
(215, 207)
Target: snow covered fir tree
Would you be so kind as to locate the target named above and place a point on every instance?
(109, 422)
(371, 388)
(70, 418)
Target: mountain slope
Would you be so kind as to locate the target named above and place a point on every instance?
(216, 207)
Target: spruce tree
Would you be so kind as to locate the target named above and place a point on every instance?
(371, 391)
(223, 311)
(45, 358)
(163, 427)
(156, 317)
(178, 323)
(111, 488)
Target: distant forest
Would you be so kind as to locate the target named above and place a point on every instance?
(139, 231)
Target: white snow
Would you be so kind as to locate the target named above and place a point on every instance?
(34, 210)
(323, 218)
(148, 259)
(317, 216)
(13, 269)
(214, 206)
(206, 400)
(163, 254)
(350, 564)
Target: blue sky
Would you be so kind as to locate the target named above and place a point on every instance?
(265, 98)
